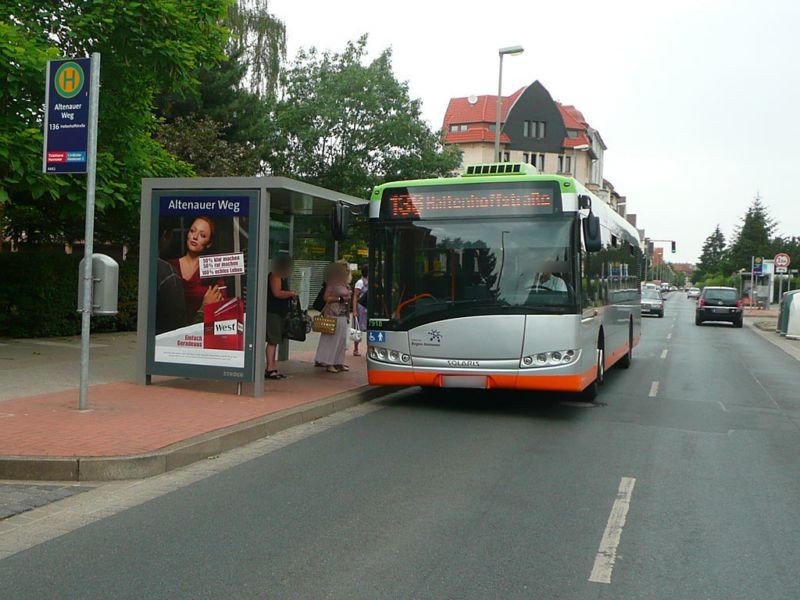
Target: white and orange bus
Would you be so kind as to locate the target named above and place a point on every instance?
(500, 278)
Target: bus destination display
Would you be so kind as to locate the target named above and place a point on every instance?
(431, 203)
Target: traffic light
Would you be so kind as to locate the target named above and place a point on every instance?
(673, 246)
(650, 247)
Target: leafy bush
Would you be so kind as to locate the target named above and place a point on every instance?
(39, 295)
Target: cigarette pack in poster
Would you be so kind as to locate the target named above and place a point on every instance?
(223, 325)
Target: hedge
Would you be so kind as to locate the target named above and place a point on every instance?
(39, 295)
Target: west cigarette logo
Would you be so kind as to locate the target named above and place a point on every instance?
(69, 80)
(225, 327)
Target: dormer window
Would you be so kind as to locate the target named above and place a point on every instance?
(533, 129)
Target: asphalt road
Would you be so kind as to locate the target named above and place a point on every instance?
(476, 495)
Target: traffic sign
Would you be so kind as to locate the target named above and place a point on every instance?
(781, 270)
(782, 260)
(66, 121)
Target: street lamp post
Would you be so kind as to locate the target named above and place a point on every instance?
(513, 51)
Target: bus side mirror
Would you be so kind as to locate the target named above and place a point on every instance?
(591, 233)
(340, 223)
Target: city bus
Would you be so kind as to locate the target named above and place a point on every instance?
(501, 278)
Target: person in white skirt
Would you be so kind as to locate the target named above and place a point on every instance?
(332, 348)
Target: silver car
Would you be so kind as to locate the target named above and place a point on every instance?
(652, 302)
(693, 293)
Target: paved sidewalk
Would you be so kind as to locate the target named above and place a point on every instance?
(198, 418)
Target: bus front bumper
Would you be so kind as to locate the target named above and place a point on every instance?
(557, 379)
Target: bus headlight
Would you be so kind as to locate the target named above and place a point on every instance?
(549, 359)
(387, 355)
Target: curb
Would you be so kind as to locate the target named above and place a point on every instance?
(180, 454)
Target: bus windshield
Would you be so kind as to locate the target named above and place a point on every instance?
(430, 270)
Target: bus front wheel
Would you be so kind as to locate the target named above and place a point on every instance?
(590, 393)
(625, 361)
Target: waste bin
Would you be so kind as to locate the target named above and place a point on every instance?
(783, 314)
(793, 316)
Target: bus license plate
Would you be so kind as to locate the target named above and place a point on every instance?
(464, 381)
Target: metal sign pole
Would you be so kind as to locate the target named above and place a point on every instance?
(91, 168)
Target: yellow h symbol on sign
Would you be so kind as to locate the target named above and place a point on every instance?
(69, 80)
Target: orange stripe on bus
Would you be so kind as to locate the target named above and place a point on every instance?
(556, 383)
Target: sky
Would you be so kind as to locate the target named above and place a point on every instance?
(695, 99)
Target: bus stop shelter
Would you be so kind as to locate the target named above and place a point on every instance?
(209, 322)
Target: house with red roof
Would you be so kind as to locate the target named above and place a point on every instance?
(534, 128)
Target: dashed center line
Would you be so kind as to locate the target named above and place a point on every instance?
(664, 352)
(607, 553)
(653, 389)
(669, 336)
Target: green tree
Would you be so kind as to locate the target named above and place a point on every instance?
(147, 47)
(238, 91)
(258, 41)
(712, 255)
(200, 141)
(752, 238)
(348, 124)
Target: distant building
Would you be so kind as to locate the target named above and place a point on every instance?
(686, 268)
(554, 137)
(658, 257)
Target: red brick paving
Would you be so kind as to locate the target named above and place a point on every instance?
(128, 419)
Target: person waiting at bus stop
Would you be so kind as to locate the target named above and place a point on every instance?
(332, 348)
(360, 291)
(278, 297)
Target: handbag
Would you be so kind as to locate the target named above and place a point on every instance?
(355, 334)
(323, 324)
(297, 322)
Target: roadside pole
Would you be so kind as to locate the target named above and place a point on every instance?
(91, 172)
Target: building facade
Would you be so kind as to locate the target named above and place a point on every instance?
(554, 137)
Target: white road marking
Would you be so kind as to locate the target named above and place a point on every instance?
(722, 406)
(664, 352)
(653, 390)
(669, 336)
(607, 553)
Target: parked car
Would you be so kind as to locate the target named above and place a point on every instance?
(693, 293)
(652, 302)
(719, 304)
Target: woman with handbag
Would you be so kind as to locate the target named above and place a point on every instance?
(332, 322)
(278, 297)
